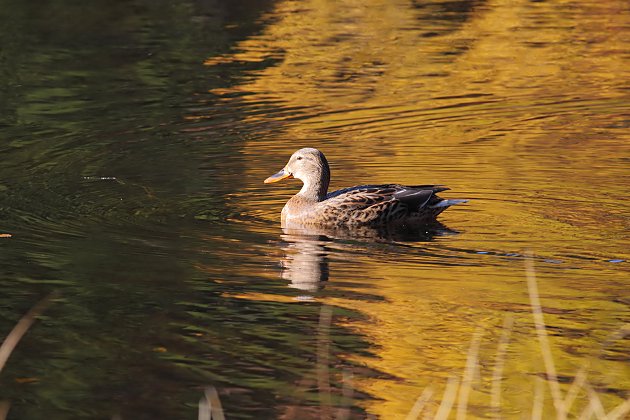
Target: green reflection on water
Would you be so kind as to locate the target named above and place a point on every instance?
(101, 187)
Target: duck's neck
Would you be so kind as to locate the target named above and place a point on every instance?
(315, 187)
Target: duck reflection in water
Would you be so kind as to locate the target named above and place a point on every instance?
(306, 262)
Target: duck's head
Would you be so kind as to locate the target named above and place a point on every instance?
(310, 166)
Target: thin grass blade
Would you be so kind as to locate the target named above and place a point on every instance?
(543, 339)
(23, 325)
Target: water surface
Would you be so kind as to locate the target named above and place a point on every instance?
(134, 138)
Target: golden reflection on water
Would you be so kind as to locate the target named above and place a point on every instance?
(518, 105)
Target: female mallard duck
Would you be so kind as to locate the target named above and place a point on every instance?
(364, 205)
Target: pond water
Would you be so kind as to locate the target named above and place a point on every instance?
(134, 139)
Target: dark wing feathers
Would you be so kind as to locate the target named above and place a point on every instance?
(364, 196)
(415, 199)
(386, 189)
(434, 188)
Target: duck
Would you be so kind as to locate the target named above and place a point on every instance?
(372, 206)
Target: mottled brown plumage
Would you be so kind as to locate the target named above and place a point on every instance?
(364, 205)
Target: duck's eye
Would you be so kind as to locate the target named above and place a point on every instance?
(299, 158)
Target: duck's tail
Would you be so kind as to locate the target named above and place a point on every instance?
(447, 203)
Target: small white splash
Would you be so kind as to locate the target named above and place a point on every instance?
(100, 178)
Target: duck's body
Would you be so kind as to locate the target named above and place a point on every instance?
(368, 205)
(390, 205)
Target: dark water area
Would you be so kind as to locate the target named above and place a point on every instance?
(134, 139)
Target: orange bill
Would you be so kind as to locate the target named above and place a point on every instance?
(278, 177)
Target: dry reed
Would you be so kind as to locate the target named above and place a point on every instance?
(210, 407)
(23, 325)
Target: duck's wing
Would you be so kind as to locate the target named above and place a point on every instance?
(355, 200)
(385, 189)
(369, 204)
